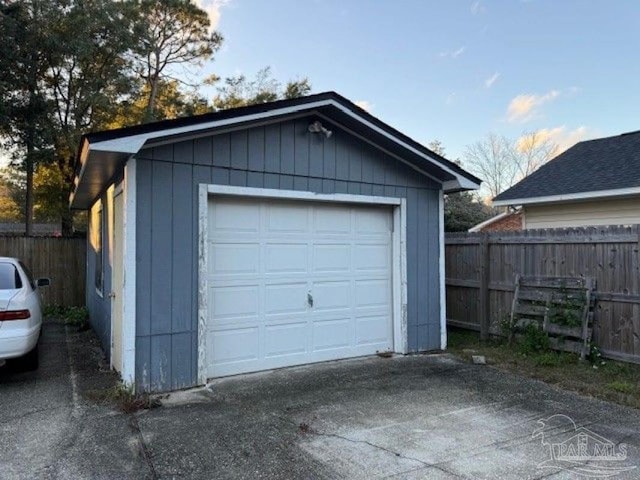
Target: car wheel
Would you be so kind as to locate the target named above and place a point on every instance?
(28, 362)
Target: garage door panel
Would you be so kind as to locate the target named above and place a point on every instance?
(371, 257)
(370, 222)
(234, 301)
(372, 293)
(331, 295)
(332, 220)
(234, 258)
(286, 298)
(286, 339)
(235, 345)
(332, 258)
(333, 333)
(286, 218)
(286, 258)
(234, 217)
(259, 315)
(372, 330)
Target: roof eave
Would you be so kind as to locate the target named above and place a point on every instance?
(125, 146)
(570, 197)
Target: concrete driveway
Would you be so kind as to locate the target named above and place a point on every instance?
(414, 417)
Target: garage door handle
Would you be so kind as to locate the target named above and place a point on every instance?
(310, 300)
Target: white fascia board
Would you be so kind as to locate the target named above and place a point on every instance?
(132, 144)
(460, 179)
(620, 192)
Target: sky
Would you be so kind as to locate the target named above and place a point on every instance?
(451, 70)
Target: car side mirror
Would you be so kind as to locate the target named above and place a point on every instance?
(43, 282)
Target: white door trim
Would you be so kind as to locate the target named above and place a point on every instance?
(129, 273)
(399, 255)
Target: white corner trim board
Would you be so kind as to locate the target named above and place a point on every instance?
(129, 272)
(203, 253)
(443, 284)
(399, 258)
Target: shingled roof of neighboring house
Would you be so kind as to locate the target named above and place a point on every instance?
(603, 164)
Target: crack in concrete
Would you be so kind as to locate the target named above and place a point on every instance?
(135, 427)
(423, 464)
(32, 412)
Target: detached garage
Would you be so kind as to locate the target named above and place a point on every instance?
(262, 237)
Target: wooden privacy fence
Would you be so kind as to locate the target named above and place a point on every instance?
(61, 259)
(481, 269)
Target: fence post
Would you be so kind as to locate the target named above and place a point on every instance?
(484, 313)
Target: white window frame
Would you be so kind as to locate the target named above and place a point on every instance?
(399, 254)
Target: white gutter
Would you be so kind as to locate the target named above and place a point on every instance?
(619, 192)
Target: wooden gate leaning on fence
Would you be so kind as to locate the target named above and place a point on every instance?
(481, 270)
(63, 260)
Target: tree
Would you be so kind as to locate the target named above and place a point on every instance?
(493, 160)
(239, 91)
(463, 210)
(173, 33)
(533, 149)
(171, 102)
(88, 75)
(500, 162)
(24, 107)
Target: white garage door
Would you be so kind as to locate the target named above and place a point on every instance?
(296, 282)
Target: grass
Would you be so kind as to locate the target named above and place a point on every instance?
(608, 380)
(74, 316)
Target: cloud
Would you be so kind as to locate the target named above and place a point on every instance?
(477, 7)
(364, 104)
(212, 7)
(560, 136)
(525, 106)
(450, 98)
(491, 80)
(452, 54)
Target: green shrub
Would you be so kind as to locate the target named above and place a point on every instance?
(533, 340)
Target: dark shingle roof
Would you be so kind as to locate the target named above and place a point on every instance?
(602, 164)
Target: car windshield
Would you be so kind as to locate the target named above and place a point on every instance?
(9, 277)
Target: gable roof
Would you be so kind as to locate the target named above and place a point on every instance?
(102, 154)
(604, 167)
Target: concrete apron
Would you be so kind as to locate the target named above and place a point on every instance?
(406, 417)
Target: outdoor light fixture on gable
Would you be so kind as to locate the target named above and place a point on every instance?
(317, 127)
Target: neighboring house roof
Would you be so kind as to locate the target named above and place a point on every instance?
(510, 221)
(102, 154)
(604, 167)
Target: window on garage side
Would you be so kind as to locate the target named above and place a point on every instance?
(96, 241)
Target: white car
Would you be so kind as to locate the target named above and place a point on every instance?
(20, 313)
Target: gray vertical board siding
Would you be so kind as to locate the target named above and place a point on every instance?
(182, 220)
(99, 307)
(256, 149)
(161, 247)
(414, 295)
(167, 246)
